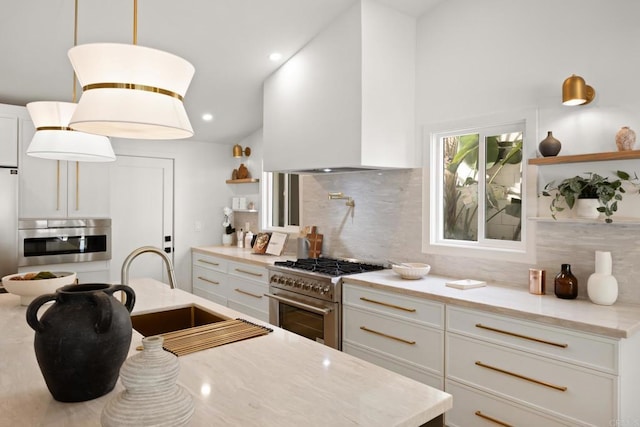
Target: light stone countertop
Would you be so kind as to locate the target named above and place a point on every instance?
(280, 379)
(615, 321)
(235, 253)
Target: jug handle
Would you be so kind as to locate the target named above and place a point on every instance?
(105, 314)
(32, 311)
(128, 291)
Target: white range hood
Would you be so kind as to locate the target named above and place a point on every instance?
(346, 100)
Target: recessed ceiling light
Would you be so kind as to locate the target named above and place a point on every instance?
(207, 117)
(275, 56)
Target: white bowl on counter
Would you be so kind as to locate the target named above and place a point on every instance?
(28, 290)
(411, 270)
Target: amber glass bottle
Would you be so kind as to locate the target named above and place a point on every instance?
(566, 284)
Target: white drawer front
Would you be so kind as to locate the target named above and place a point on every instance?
(249, 272)
(577, 392)
(211, 296)
(395, 305)
(574, 347)
(211, 280)
(406, 341)
(209, 262)
(472, 408)
(248, 294)
(394, 365)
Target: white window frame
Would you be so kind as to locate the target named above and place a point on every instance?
(267, 203)
(433, 241)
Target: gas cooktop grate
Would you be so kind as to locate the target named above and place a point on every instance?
(329, 266)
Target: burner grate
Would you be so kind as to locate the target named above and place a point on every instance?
(329, 266)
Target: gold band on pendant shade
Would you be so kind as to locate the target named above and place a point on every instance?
(132, 86)
(53, 128)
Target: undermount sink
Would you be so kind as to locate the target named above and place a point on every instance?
(161, 322)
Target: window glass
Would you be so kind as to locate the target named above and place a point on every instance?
(282, 199)
(474, 191)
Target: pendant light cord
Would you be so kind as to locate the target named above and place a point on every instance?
(135, 22)
(75, 43)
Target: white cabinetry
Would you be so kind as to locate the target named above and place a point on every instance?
(240, 286)
(350, 91)
(403, 334)
(8, 140)
(520, 372)
(61, 189)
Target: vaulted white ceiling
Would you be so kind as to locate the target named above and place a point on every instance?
(228, 42)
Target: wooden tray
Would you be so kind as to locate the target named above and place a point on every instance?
(198, 338)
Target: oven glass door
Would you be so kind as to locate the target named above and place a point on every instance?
(302, 322)
(61, 245)
(309, 317)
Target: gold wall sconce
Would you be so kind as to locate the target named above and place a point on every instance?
(340, 196)
(576, 92)
(239, 152)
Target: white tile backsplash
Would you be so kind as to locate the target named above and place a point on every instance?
(386, 224)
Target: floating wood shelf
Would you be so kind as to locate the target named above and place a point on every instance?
(246, 210)
(591, 157)
(242, 181)
(616, 220)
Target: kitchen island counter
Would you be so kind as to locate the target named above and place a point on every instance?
(279, 379)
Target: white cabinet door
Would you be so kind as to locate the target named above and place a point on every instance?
(88, 190)
(8, 141)
(141, 213)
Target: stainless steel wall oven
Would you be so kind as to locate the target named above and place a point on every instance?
(57, 241)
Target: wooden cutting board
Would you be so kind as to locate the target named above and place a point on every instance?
(315, 243)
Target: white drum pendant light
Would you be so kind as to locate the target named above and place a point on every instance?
(131, 91)
(54, 139)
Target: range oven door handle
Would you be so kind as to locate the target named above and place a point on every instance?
(301, 305)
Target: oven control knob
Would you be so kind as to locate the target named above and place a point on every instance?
(317, 289)
(325, 290)
(299, 283)
(290, 282)
(306, 286)
(274, 278)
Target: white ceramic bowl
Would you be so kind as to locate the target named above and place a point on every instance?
(28, 290)
(411, 270)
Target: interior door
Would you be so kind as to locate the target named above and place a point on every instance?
(141, 213)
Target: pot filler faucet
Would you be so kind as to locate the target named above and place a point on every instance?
(124, 279)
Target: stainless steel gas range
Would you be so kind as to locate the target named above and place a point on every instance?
(306, 296)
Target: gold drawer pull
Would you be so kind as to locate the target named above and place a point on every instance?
(494, 420)
(239, 270)
(513, 374)
(513, 334)
(208, 280)
(386, 304)
(248, 293)
(364, 328)
(208, 262)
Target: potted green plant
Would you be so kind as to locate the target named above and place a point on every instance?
(604, 191)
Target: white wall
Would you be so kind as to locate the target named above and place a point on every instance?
(475, 58)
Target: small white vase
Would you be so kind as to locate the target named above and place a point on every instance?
(602, 287)
(587, 208)
(152, 397)
(227, 239)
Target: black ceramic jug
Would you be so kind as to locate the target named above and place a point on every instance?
(82, 339)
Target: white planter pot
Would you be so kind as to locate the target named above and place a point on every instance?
(587, 208)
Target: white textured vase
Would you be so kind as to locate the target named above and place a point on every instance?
(587, 208)
(152, 397)
(227, 239)
(602, 287)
